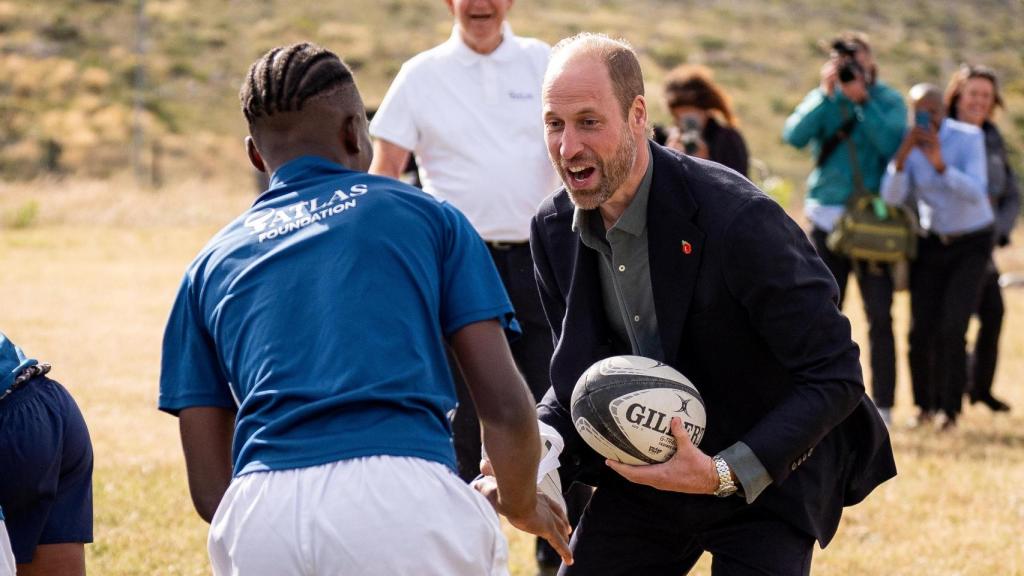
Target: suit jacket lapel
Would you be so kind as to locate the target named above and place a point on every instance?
(675, 246)
(585, 342)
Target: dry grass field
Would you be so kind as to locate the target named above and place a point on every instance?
(87, 282)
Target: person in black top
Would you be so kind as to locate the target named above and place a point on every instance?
(972, 96)
(704, 123)
(46, 464)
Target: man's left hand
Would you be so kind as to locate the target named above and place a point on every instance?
(547, 520)
(688, 470)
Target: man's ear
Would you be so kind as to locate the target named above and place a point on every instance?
(638, 113)
(254, 155)
(349, 135)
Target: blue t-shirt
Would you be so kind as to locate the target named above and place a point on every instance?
(321, 314)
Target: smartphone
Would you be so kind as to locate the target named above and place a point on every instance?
(923, 119)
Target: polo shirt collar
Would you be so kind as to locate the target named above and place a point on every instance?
(467, 57)
(291, 173)
(633, 220)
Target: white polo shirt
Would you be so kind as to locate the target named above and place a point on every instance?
(474, 122)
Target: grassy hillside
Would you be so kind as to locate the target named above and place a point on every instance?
(69, 66)
(96, 300)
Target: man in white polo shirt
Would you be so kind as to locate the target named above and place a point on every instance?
(469, 109)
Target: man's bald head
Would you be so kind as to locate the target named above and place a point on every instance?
(303, 99)
(618, 57)
(928, 98)
(929, 93)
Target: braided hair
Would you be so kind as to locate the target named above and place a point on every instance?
(288, 77)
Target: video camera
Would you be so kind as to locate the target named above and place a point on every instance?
(846, 54)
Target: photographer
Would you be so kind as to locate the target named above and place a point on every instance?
(854, 125)
(941, 165)
(705, 125)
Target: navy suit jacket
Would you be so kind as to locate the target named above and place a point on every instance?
(748, 312)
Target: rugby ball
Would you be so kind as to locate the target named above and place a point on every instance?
(622, 408)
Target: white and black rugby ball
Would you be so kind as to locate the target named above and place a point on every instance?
(622, 407)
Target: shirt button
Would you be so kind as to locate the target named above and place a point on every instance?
(636, 318)
(622, 267)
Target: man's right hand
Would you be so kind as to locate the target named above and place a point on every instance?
(829, 77)
(925, 139)
(547, 519)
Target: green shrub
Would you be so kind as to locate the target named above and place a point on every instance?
(23, 216)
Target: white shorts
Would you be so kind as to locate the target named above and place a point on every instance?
(381, 515)
(7, 566)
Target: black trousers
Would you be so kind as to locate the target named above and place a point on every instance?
(945, 280)
(532, 353)
(990, 324)
(623, 535)
(876, 288)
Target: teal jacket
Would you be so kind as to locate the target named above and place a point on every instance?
(12, 362)
(881, 122)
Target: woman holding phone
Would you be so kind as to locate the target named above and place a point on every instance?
(972, 96)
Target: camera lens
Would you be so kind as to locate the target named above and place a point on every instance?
(847, 72)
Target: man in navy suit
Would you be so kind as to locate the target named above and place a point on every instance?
(645, 251)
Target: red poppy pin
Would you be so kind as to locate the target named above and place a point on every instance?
(686, 247)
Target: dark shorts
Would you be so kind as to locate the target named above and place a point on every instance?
(45, 468)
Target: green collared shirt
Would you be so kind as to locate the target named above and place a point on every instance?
(628, 298)
(625, 271)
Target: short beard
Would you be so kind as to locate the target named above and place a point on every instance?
(614, 173)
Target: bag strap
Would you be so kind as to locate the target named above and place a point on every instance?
(858, 180)
(837, 137)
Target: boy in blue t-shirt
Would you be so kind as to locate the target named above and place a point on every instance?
(305, 358)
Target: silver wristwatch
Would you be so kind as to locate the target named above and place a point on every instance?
(726, 487)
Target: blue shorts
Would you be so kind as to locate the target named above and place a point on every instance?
(46, 464)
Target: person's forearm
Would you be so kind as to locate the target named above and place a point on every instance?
(514, 451)
(884, 125)
(805, 121)
(967, 187)
(388, 159)
(894, 185)
(206, 435)
(508, 418)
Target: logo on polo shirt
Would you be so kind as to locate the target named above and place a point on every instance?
(271, 223)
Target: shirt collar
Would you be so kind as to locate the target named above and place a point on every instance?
(467, 56)
(12, 362)
(288, 176)
(633, 220)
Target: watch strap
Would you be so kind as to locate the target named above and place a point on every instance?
(726, 485)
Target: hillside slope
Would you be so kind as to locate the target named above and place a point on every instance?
(67, 103)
